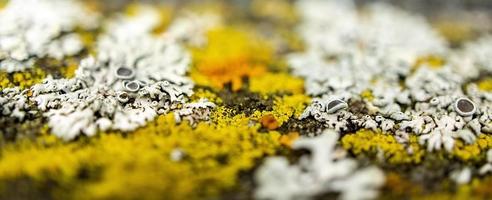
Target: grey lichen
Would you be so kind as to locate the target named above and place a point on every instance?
(347, 56)
(134, 77)
(194, 112)
(32, 29)
(325, 170)
(14, 103)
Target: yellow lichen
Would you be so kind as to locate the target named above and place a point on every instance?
(134, 9)
(205, 94)
(230, 55)
(485, 84)
(277, 83)
(3, 3)
(472, 152)
(431, 61)
(140, 164)
(4, 81)
(165, 16)
(455, 32)
(23, 79)
(376, 143)
(278, 10)
(284, 108)
(88, 39)
(367, 95)
(71, 65)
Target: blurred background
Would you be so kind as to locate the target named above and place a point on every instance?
(462, 15)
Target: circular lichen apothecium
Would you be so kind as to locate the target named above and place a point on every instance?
(465, 107)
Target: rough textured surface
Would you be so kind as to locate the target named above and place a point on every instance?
(278, 99)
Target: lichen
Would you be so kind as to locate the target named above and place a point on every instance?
(229, 56)
(237, 99)
(140, 165)
(276, 83)
(473, 152)
(383, 147)
(455, 32)
(201, 93)
(485, 84)
(325, 171)
(431, 61)
(41, 33)
(24, 79)
(284, 108)
(165, 14)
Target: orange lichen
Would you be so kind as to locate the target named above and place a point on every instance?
(220, 74)
(289, 138)
(268, 121)
(229, 56)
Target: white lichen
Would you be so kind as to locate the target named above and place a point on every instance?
(349, 52)
(487, 167)
(324, 171)
(134, 77)
(191, 28)
(14, 103)
(32, 29)
(194, 112)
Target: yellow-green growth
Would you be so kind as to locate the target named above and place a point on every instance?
(207, 94)
(140, 165)
(485, 84)
(431, 61)
(455, 32)
(472, 152)
(71, 65)
(277, 83)
(280, 11)
(230, 55)
(24, 79)
(285, 107)
(367, 95)
(377, 143)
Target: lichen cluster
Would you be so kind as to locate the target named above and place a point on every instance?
(278, 99)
